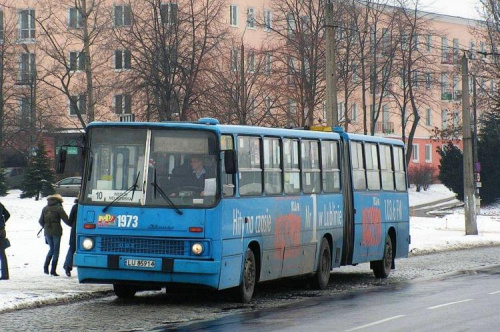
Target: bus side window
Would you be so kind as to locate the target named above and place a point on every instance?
(399, 169)
(311, 176)
(272, 166)
(291, 166)
(386, 167)
(372, 166)
(358, 171)
(250, 171)
(330, 166)
(227, 179)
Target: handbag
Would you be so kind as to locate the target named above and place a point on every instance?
(6, 243)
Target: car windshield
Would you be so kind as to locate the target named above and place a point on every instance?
(170, 168)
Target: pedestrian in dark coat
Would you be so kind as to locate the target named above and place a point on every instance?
(68, 263)
(4, 216)
(50, 220)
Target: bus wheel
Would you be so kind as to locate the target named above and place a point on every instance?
(248, 281)
(382, 268)
(124, 291)
(322, 276)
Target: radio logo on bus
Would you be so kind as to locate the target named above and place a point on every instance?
(106, 220)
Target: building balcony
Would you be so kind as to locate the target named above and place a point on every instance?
(447, 58)
(384, 127)
(447, 95)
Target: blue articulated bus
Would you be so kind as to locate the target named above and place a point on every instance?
(228, 206)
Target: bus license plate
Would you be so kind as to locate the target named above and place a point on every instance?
(140, 263)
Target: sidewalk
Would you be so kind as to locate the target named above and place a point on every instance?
(29, 287)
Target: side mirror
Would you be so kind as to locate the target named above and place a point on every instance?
(61, 160)
(230, 161)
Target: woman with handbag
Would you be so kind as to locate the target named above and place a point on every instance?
(50, 220)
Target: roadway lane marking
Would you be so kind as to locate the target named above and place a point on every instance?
(375, 323)
(494, 293)
(447, 304)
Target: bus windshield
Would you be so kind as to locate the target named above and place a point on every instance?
(168, 168)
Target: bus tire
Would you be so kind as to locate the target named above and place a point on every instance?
(249, 277)
(382, 268)
(322, 276)
(124, 291)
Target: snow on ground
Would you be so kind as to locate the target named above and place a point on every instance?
(28, 286)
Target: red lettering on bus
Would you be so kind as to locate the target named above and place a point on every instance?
(287, 233)
(372, 227)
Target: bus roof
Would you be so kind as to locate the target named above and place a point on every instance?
(247, 130)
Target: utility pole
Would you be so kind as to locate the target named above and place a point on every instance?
(332, 112)
(242, 83)
(470, 205)
(477, 165)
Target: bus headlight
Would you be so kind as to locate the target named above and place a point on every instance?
(88, 243)
(197, 249)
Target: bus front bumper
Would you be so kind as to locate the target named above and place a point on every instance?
(109, 268)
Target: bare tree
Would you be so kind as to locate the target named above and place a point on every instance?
(413, 63)
(298, 32)
(171, 45)
(242, 84)
(75, 49)
(486, 67)
(22, 112)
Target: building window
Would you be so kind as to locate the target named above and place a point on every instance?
(122, 59)
(75, 19)
(292, 108)
(123, 104)
(428, 80)
(341, 110)
(355, 113)
(268, 20)
(27, 24)
(444, 119)
(251, 18)
(168, 12)
(251, 62)
(123, 15)
(235, 59)
(1, 26)
(78, 104)
(415, 153)
(428, 43)
(428, 116)
(428, 153)
(355, 75)
(456, 49)
(233, 15)
(76, 61)
(268, 63)
(24, 112)
(472, 49)
(26, 68)
(444, 49)
(290, 25)
(456, 118)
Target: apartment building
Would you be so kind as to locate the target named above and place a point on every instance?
(48, 47)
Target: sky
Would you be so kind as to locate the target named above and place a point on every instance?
(461, 8)
(29, 287)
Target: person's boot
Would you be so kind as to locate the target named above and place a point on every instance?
(67, 270)
(46, 265)
(53, 269)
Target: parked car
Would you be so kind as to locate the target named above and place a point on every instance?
(14, 176)
(68, 186)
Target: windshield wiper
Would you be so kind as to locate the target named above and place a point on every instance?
(133, 187)
(164, 196)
